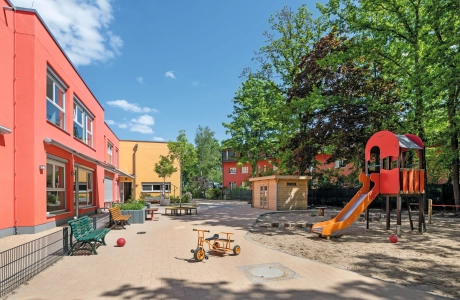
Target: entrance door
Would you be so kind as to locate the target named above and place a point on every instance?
(108, 189)
(263, 196)
(125, 191)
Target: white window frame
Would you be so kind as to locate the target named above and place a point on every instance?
(85, 117)
(151, 184)
(244, 170)
(57, 83)
(109, 152)
(232, 185)
(116, 158)
(55, 163)
(87, 171)
(232, 169)
(339, 163)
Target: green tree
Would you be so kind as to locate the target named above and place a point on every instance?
(184, 153)
(208, 154)
(164, 168)
(254, 125)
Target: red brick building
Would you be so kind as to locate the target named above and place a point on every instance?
(234, 176)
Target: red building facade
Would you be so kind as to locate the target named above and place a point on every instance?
(234, 176)
(59, 159)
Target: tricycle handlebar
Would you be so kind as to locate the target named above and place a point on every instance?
(200, 230)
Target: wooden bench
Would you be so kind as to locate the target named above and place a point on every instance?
(84, 233)
(152, 200)
(176, 210)
(118, 218)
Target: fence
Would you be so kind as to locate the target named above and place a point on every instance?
(21, 263)
(439, 193)
(237, 195)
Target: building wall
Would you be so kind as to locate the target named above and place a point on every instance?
(239, 177)
(6, 120)
(292, 197)
(36, 51)
(148, 153)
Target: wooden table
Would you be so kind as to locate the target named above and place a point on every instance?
(177, 210)
(321, 210)
(151, 210)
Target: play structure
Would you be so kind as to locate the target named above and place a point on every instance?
(215, 243)
(395, 167)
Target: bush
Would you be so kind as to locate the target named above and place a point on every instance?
(214, 194)
(132, 205)
(187, 197)
(143, 195)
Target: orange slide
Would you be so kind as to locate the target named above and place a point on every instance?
(353, 209)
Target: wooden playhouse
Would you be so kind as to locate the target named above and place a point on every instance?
(279, 192)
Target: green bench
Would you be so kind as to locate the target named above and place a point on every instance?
(84, 233)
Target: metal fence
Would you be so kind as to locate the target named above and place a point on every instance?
(439, 193)
(101, 221)
(21, 263)
(236, 195)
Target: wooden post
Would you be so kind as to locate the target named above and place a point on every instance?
(367, 218)
(398, 209)
(388, 212)
(420, 214)
(430, 210)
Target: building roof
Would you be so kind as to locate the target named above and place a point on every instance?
(286, 177)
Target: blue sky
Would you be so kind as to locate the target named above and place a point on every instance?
(161, 66)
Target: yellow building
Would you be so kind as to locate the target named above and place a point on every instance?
(138, 158)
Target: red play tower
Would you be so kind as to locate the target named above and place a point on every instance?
(400, 162)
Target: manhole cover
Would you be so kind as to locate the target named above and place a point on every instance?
(268, 272)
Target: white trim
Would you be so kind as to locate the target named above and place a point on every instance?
(57, 158)
(56, 77)
(75, 98)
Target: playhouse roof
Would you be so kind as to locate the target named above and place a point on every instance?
(286, 177)
(405, 142)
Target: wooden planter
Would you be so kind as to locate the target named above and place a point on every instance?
(137, 216)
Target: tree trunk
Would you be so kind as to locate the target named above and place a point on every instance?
(455, 171)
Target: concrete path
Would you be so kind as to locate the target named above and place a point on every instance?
(159, 265)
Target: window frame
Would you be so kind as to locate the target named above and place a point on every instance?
(57, 83)
(244, 170)
(232, 185)
(152, 184)
(110, 147)
(55, 163)
(85, 117)
(232, 169)
(88, 191)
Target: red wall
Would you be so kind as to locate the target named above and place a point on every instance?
(35, 51)
(6, 117)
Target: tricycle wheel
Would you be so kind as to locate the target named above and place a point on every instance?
(215, 246)
(236, 250)
(199, 254)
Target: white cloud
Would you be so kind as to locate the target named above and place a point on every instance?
(134, 107)
(81, 27)
(110, 122)
(123, 125)
(144, 120)
(170, 74)
(158, 139)
(140, 80)
(141, 128)
(196, 83)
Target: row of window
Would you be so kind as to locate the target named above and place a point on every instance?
(156, 187)
(83, 120)
(245, 170)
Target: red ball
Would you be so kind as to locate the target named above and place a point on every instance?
(394, 238)
(121, 242)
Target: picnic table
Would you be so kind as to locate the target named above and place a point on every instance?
(151, 211)
(177, 210)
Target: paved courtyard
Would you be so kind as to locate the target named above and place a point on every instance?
(159, 265)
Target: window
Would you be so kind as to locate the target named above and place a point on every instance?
(263, 195)
(82, 123)
(265, 168)
(232, 185)
(339, 163)
(291, 184)
(232, 170)
(155, 187)
(244, 170)
(275, 168)
(109, 153)
(83, 187)
(55, 101)
(116, 158)
(55, 186)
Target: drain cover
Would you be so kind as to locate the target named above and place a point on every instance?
(268, 272)
(141, 232)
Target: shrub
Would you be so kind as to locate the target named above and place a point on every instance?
(143, 195)
(132, 205)
(187, 197)
(215, 193)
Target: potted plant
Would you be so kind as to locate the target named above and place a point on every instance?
(134, 208)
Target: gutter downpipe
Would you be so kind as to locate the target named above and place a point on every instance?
(134, 170)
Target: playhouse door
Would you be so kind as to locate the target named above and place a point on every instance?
(265, 196)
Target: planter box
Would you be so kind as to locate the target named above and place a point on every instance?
(137, 216)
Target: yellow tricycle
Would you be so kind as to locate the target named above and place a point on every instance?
(215, 243)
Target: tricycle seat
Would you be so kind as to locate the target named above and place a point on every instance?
(214, 237)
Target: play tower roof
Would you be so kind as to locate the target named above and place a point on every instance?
(390, 143)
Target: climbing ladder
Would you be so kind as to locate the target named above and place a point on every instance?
(416, 211)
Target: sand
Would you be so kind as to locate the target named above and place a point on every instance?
(428, 262)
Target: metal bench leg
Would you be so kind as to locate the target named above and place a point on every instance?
(103, 241)
(93, 248)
